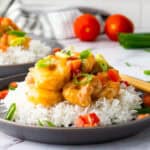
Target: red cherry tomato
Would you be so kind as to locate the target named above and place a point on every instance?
(113, 75)
(117, 23)
(87, 120)
(86, 27)
(3, 94)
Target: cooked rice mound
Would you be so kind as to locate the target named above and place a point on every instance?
(17, 55)
(120, 110)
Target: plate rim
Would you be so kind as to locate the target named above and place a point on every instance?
(142, 121)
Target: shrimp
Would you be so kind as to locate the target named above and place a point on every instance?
(51, 78)
(111, 90)
(44, 97)
(82, 95)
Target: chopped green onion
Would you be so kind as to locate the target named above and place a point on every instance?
(147, 50)
(17, 41)
(11, 88)
(17, 33)
(128, 64)
(64, 53)
(40, 123)
(143, 110)
(50, 124)
(11, 112)
(147, 72)
(44, 62)
(102, 62)
(85, 54)
(89, 78)
(69, 52)
(46, 123)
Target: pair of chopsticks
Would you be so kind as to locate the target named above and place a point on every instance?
(139, 84)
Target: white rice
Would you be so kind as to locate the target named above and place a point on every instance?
(118, 111)
(17, 55)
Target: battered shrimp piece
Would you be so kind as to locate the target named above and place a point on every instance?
(88, 63)
(82, 95)
(111, 90)
(44, 97)
(53, 77)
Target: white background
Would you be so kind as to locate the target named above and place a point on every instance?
(137, 10)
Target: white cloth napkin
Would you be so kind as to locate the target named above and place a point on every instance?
(44, 20)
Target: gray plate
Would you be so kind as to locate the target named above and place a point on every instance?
(7, 70)
(69, 135)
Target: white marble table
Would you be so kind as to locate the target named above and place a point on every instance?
(117, 56)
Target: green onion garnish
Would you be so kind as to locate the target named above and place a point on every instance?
(147, 72)
(11, 112)
(11, 88)
(50, 124)
(17, 33)
(147, 50)
(85, 54)
(143, 110)
(44, 62)
(17, 41)
(40, 123)
(128, 64)
(46, 123)
(89, 78)
(102, 62)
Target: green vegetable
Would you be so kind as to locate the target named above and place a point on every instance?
(50, 124)
(85, 54)
(89, 78)
(11, 88)
(144, 110)
(11, 112)
(134, 40)
(17, 41)
(128, 64)
(147, 50)
(102, 62)
(44, 62)
(17, 33)
(147, 72)
(69, 52)
(64, 53)
(45, 123)
(40, 123)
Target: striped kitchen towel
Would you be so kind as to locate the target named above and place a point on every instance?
(44, 20)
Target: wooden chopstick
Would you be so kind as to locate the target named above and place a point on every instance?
(139, 84)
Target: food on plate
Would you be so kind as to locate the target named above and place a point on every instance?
(86, 27)
(116, 24)
(72, 89)
(16, 46)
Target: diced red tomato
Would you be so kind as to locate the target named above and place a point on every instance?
(3, 94)
(146, 100)
(57, 49)
(13, 85)
(87, 120)
(113, 75)
(142, 116)
(1, 19)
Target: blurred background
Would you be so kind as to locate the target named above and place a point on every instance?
(52, 22)
(137, 10)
